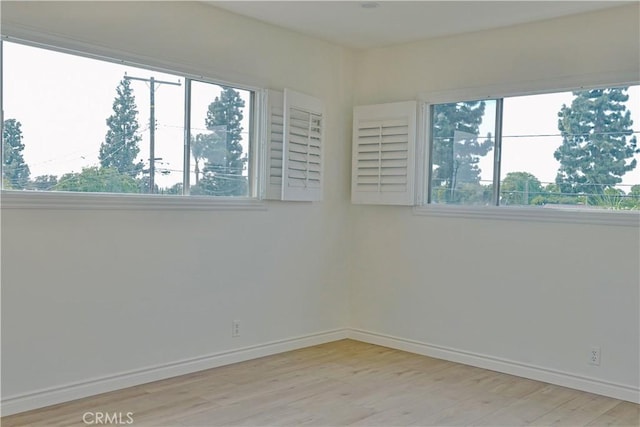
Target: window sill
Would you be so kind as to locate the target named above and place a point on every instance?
(107, 201)
(536, 214)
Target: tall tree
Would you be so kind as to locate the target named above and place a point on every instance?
(457, 146)
(596, 150)
(121, 144)
(15, 170)
(209, 148)
(222, 172)
(198, 148)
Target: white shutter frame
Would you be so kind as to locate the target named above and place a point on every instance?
(303, 147)
(384, 154)
(275, 143)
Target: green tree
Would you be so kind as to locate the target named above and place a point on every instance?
(15, 170)
(551, 194)
(633, 198)
(198, 147)
(121, 144)
(596, 147)
(98, 180)
(457, 149)
(225, 162)
(43, 183)
(175, 189)
(613, 198)
(209, 148)
(519, 188)
(144, 184)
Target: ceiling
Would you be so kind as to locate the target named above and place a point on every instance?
(367, 24)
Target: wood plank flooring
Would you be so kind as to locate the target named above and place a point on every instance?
(339, 384)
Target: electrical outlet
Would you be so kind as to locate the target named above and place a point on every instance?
(235, 328)
(594, 356)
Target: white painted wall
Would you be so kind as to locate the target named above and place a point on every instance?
(94, 293)
(585, 48)
(539, 294)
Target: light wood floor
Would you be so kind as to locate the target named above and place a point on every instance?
(344, 383)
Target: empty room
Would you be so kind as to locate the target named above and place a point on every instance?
(375, 213)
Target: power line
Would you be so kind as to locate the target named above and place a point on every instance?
(152, 125)
(571, 134)
(542, 135)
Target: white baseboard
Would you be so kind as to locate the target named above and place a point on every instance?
(41, 398)
(51, 396)
(565, 379)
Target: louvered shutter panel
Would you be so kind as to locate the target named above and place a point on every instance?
(302, 147)
(275, 126)
(384, 146)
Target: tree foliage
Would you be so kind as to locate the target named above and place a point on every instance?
(98, 180)
(519, 188)
(209, 148)
(457, 148)
(222, 149)
(466, 193)
(175, 189)
(121, 144)
(15, 170)
(551, 195)
(43, 183)
(596, 147)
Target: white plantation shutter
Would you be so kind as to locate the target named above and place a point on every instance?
(275, 138)
(295, 135)
(384, 147)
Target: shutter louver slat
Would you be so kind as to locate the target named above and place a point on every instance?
(297, 156)
(400, 147)
(275, 135)
(384, 153)
(303, 141)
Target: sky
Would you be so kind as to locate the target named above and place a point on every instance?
(63, 113)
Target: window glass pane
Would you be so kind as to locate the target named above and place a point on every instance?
(84, 126)
(462, 152)
(220, 122)
(164, 143)
(96, 126)
(576, 149)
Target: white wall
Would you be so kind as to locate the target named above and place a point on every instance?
(96, 293)
(584, 48)
(535, 294)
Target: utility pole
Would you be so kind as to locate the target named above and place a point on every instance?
(152, 123)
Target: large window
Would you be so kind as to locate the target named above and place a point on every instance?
(73, 123)
(572, 149)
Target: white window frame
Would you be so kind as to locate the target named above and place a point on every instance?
(124, 201)
(514, 213)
